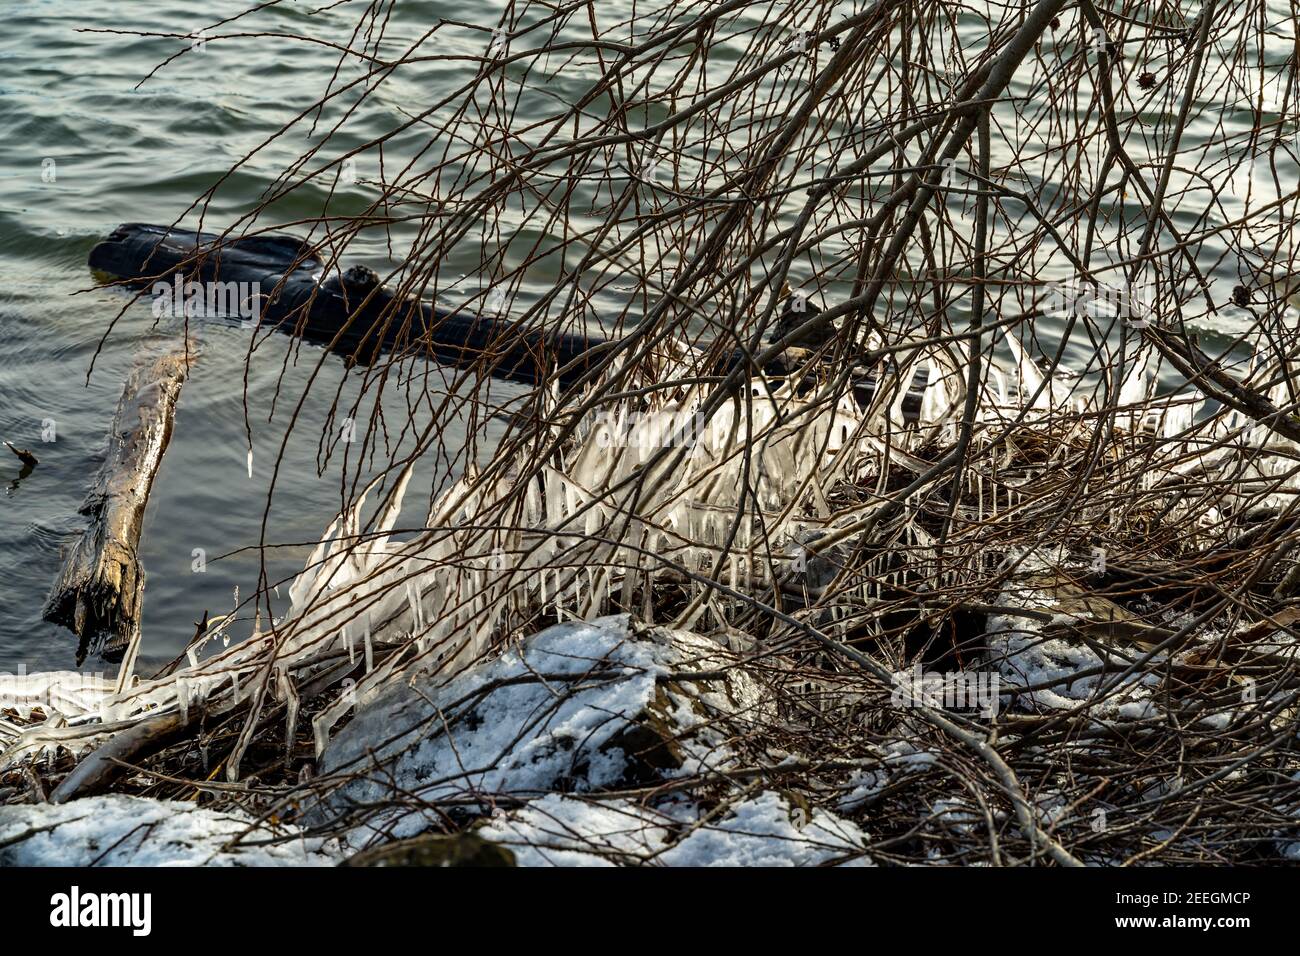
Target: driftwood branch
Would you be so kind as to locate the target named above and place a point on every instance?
(97, 771)
(99, 592)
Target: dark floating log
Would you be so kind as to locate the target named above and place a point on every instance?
(99, 593)
(300, 300)
(345, 311)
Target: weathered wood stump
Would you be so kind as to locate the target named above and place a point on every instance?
(99, 592)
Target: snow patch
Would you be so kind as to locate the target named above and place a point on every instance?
(765, 830)
(1027, 656)
(121, 830)
(577, 707)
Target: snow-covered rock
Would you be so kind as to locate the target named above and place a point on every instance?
(559, 830)
(768, 830)
(577, 707)
(1029, 653)
(765, 830)
(121, 830)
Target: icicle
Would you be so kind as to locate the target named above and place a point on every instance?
(647, 604)
(250, 461)
(414, 604)
(321, 734)
(370, 651)
(290, 693)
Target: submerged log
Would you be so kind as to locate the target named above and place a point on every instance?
(279, 281)
(99, 592)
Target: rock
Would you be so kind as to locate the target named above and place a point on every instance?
(458, 849)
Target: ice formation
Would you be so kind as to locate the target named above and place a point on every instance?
(635, 496)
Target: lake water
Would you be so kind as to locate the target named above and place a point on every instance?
(82, 150)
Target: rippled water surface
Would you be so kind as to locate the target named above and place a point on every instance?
(82, 150)
(109, 154)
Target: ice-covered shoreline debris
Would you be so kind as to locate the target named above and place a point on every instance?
(381, 620)
(574, 710)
